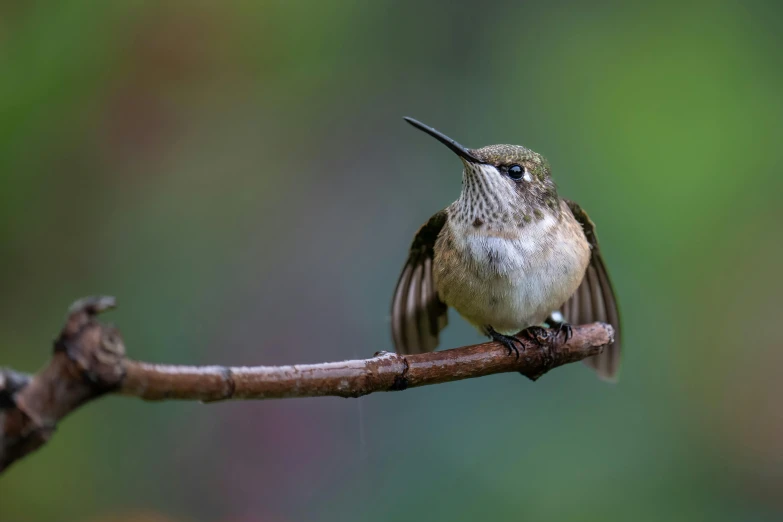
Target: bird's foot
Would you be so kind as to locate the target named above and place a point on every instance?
(566, 330)
(557, 321)
(509, 341)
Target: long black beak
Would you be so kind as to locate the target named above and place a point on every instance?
(458, 149)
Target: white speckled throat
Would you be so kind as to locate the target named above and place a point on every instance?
(487, 196)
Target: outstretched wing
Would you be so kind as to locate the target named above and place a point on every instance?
(595, 300)
(417, 314)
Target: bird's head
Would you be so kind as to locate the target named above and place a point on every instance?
(508, 184)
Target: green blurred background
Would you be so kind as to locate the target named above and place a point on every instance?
(238, 174)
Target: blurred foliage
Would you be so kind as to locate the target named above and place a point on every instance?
(239, 175)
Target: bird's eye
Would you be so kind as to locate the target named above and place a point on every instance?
(516, 172)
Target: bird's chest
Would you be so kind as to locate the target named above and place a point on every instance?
(510, 282)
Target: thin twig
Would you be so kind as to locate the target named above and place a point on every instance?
(89, 361)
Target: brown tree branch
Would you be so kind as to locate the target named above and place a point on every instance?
(89, 361)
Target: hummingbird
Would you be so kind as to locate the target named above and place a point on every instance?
(509, 255)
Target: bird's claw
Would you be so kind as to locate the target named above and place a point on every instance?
(509, 341)
(557, 322)
(566, 330)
